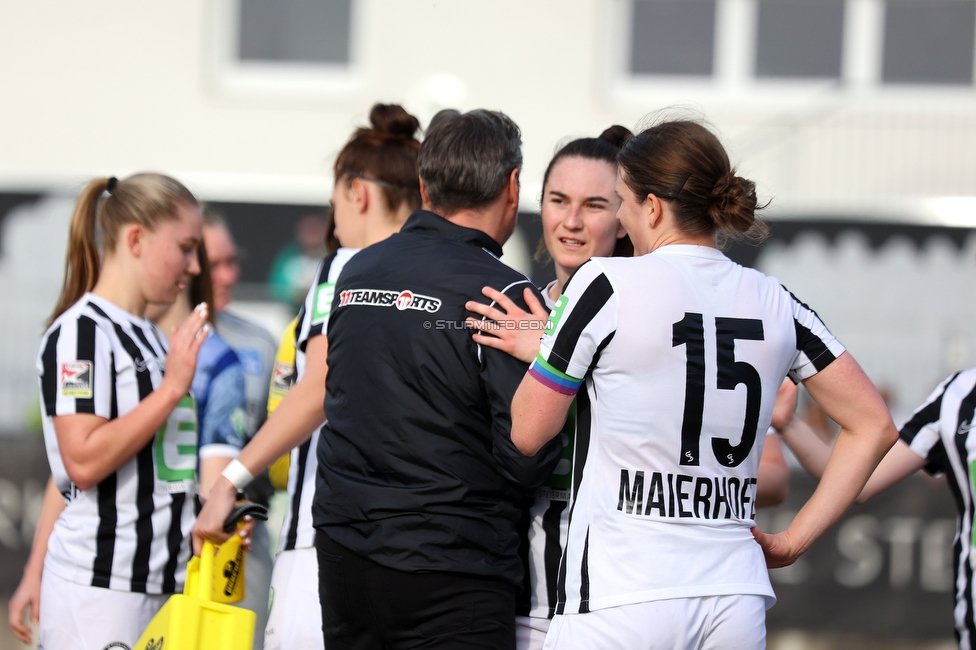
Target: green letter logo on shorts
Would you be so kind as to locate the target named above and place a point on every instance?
(175, 449)
(557, 313)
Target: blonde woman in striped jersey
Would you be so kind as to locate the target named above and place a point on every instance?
(120, 433)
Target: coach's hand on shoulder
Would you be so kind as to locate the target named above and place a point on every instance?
(184, 345)
(216, 508)
(507, 327)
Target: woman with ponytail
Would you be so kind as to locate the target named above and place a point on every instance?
(682, 352)
(218, 393)
(376, 189)
(119, 424)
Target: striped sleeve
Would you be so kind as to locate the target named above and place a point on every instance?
(816, 347)
(582, 321)
(314, 316)
(77, 369)
(921, 432)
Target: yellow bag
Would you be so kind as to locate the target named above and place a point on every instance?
(192, 621)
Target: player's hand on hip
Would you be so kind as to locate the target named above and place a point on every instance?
(506, 326)
(217, 507)
(184, 345)
(778, 548)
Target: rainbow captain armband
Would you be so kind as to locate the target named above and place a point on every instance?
(559, 381)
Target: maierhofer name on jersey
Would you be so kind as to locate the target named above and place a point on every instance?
(666, 495)
(379, 298)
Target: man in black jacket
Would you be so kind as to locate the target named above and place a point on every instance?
(419, 484)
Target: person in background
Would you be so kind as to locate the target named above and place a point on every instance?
(293, 269)
(255, 348)
(936, 439)
(217, 390)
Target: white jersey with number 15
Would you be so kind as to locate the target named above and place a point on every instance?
(682, 352)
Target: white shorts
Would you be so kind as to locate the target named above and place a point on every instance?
(710, 623)
(530, 633)
(295, 618)
(82, 617)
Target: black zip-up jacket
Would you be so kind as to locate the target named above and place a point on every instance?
(417, 470)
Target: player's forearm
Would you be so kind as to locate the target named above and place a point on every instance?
(773, 484)
(91, 454)
(51, 508)
(210, 469)
(899, 463)
(855, 456)
(291, 424)
(538, 414)
(810, 450)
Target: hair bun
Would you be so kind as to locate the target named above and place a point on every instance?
(732, 203)
(393, 120)
(617, 135)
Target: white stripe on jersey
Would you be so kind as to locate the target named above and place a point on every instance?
(682, 352)
(296, 529)
(131, 531)
(941, 432)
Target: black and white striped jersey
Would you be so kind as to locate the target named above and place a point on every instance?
(313, 320)
(941, 432)
(682, 352)
(544, 527)
(131, 531)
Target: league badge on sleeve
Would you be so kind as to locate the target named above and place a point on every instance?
(76, 379)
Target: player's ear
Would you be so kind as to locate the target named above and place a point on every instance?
(654, 211)
(360, 195)
(424, 197)
(132, 238)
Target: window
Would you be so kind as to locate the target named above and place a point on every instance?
(285, 48)
(673, 37)
(929, 41)
(800, 38)
(294, 31)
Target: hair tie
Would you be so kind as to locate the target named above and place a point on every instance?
(112, 182)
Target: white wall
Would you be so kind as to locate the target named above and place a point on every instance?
(108, 87)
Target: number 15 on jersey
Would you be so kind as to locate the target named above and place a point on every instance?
(690, 332)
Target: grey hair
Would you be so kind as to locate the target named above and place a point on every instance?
(466, 159)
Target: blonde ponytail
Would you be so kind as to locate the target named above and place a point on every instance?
(145, 199)
(81, 261)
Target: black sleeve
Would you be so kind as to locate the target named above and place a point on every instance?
(501, 375)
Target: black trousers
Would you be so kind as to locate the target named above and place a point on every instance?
(366, 606)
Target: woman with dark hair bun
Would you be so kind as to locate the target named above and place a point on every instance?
(682, 352)
(376, 189)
